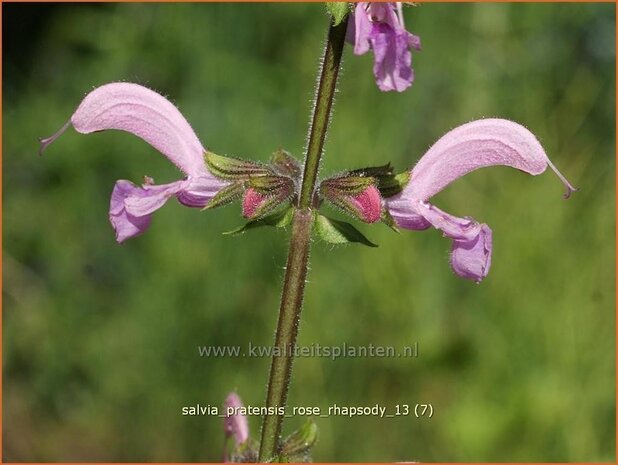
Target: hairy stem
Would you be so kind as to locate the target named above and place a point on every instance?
(300, 244)
(321, 113)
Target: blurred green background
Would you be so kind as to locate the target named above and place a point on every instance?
(100, 340)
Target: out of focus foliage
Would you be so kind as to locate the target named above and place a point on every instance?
(100, 340)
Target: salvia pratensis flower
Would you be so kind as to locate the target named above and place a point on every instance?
(486, 142)
(235, 425)
(379, 26)
(146, 114)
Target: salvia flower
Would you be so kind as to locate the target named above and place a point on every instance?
(379, 26)
(235, 425)
(146, 114)
(486, 142)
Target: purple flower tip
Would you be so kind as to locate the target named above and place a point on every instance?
(235, 424)
(379, 26)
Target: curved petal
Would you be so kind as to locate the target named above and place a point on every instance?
(414, 41)
(405, 213)
(146, 114)
(149, 198)
(393, 60)
(362, 29)
(472, 241)
(471, 259)
(125, 224)
(235, 424)
(131, 206)
(200, 190)
(475, 145)
(464, 229)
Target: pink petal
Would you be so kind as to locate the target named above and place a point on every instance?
(235, 425)
(475, 145)
(406, 213)
(125, 224)
(392, 66)
(131, 206)
(471, 259)
(362, 29)
(199, 191)
(472, 241)
(149, 198)
(452, 226)
(381, 12)
(146, 114)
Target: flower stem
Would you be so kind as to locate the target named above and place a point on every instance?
(300, 244)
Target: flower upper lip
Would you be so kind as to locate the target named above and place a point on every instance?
(146, 114)
(478, 144)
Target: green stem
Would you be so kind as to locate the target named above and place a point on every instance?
(300, 244)
(321, 113)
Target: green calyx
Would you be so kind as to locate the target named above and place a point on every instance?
(268, 192)
(338, 10)
(341, 191)
(345, 185)
(265, 194)
(297, 446)
(386, 180)
(393, 184)
(264, 187)
(284, 163)
(388, 220)
(269, 204)
(234, 169)
(226, 195)
(375, 171)
(268, 185)
(247, 452)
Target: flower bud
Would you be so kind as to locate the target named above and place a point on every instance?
(235, 424)
(265, 194)
(356, 195)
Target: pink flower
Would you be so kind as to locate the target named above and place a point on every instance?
(486, 142)
(153, 118)
(379, 26)
(235, 424)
